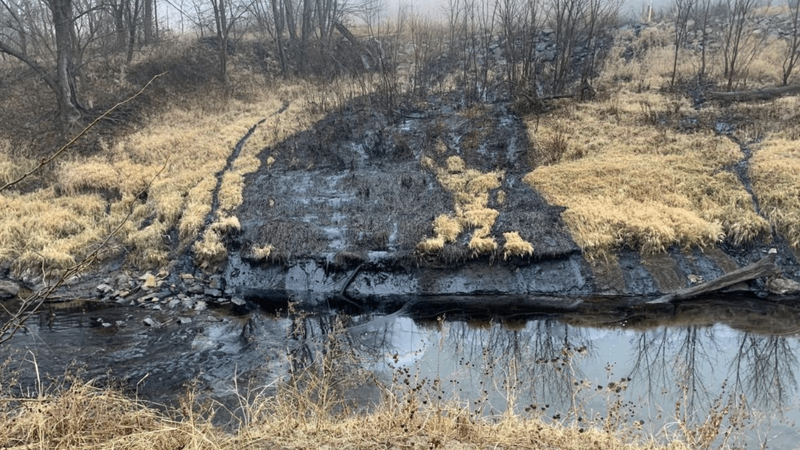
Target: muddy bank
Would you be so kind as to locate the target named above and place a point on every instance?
(341, 210)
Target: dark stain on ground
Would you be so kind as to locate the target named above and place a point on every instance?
(353, 184)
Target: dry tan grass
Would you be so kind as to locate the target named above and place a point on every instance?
(48, 228)
(470, 189)
(83, 417)
(775, 173)
(12, 168)
(649, 60)
(308, 412)
(633, 183)
(516, 246)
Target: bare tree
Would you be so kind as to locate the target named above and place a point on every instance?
(601, 16)
(566, 19)
(702, 14)
(682, 10)
(132, 8)
(793, 49)
(226, 14)
(737, 37)
(61, 74)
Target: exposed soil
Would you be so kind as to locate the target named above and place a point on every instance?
(345, 203)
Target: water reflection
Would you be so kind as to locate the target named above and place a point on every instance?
(623, 368)
(661, 376)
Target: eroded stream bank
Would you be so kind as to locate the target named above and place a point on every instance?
(624, 365)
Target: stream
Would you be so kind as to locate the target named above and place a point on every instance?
(609, 370)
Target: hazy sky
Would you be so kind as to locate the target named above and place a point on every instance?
(435, 7)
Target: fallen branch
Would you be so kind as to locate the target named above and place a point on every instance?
(762, 268)
(754, 95)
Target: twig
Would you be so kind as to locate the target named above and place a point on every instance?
(49, 159)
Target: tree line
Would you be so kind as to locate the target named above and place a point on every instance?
(547, 46)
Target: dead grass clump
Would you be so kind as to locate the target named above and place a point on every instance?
(83, 416)
(210, 250)
(11, 167)
(645, 186)
(482, 245)
(262, 252)
(42, 231)
(775, 173)
(470, 189)
(431, 245)
(455, 164)
(516, 246)
(448, 228)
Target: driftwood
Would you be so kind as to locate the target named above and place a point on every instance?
(763, 268)
(756, 94)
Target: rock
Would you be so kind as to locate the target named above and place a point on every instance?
(150, 281)
(216, 282)
(151, 297)
(212, 292)
(156, 307)
(199, 306)
(8, 289)
(188, 303)
(104, 288)
(783, 286)
(184, 320)
(187, 276)
(163, 273)
(195, 289)
(122, 280)
(695, 279)
(238, 301)
(150, 322)
(174, 303)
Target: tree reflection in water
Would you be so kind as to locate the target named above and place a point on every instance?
(547, 367)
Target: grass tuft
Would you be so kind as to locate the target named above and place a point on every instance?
(775, 173)
(516, 246)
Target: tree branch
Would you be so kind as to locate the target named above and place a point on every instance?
(49, 159)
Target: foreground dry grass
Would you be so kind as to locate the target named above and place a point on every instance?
(85, 417)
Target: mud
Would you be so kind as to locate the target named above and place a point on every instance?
(350, 194)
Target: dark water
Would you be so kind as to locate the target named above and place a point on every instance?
(615, 370)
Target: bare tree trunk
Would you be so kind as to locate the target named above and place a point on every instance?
(306, 28)
(793, 50)
(566, 16)
(290, 20)
(222, 28)
(148, 22)
(132, 17)
(683, 10)
(703, 10)
(735, 37)
(118, 13)
(277, 14)
(66, 96)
